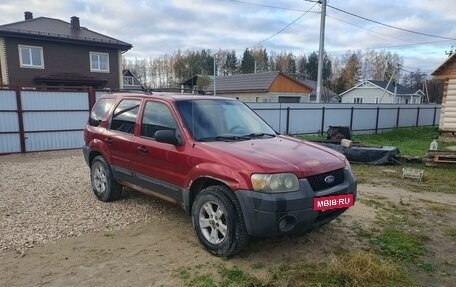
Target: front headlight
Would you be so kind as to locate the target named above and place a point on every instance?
(275, 183)
(349, 169)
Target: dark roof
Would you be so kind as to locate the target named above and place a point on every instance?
(58, 30)
(127, 72)
(313, 85)
(244, 82)
(401, 90)
(69, 78)
(193, 80)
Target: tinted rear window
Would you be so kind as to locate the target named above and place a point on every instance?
(124, 116)
(99, 111)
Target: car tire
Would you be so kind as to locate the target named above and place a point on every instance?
(104, 186)
(218, 221)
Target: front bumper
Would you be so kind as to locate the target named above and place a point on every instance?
(268, 214)
(86, 152)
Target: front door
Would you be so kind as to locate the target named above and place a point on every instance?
(161, 167)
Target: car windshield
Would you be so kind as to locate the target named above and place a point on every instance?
(222, 120)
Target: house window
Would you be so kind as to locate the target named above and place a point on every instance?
(99, 62)
(288, 99)
(31, 57)
(357, 100)
(129, 81)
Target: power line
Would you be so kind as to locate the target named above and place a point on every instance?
(270, 6)
(343, 11)
(398, 46)
(422, 69)
(372, 31)
(390, 26)
(284, 28)
(276, 7)
(346, 22)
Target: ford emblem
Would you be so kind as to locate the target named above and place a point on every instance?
(330, 179)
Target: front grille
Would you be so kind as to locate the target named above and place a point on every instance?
(318, 182)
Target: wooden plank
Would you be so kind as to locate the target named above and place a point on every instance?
(445, 161)
(441, 155)
(441, 158)
(440, 152)
(440, 164)
(446, 157)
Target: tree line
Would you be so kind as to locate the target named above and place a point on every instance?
(340, 72)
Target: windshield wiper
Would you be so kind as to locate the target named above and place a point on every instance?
(124, 111)
(224, 138)
(258, 135)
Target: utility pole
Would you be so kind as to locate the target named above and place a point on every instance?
(215, 90)
(449, 53)
(321, 50)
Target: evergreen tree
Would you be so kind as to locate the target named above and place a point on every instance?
(291, 66)
(312, 66)
(301, 69)
(327, 70)
(206, 62)
(247, 63)
(230, 65)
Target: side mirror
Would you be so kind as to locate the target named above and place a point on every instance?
(167, 136)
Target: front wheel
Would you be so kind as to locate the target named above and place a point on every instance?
(104, 186)
(218, 221)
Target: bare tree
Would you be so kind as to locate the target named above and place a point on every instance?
(261, 59)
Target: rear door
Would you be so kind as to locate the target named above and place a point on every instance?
(160, 167)
(119, 136)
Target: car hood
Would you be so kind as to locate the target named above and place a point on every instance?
(282, 154)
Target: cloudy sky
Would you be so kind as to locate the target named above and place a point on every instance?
(158, 27)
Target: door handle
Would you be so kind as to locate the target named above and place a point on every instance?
(143, 149)
(108, 140)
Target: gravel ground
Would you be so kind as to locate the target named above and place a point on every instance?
(47, 196)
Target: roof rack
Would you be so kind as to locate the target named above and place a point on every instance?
(146, 92)
(178, 90)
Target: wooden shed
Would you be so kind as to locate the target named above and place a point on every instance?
(272, 86)
(447, 73)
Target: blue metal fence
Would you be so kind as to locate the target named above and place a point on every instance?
(33, 120)
(306, 118)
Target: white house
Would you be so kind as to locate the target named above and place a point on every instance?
(374, 92)
(130, 81)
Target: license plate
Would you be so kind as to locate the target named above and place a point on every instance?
(333, 202)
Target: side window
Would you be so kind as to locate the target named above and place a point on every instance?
(156, 117)
(357, 100)
(99, 62)
(124, 116)
(99, 111)
(31, 57)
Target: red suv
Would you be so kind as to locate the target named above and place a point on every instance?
(217, 159)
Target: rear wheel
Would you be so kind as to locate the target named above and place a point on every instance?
(218, 221)
(104, 186)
